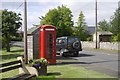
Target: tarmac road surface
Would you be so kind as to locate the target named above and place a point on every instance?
(99, 61)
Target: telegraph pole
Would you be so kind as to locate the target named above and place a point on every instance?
(96, 45)
(25, 32)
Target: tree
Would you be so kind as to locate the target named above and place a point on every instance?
(104, 25)
(115, 22)
(61, 18)
(11, 21)
(80, 28)
(115, 25)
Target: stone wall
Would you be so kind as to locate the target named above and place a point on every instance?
(86, 44)
(102, 45)
(109, 45)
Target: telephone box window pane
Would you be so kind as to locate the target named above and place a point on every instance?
(50, 45)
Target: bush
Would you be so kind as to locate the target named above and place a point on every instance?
(116, 38)
(90, 38)
(16, 38)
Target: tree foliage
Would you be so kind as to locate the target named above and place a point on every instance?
(115, 22)
(115, 25)
(61, 17)
(116, 38)
(104, 25)
(10, 24)
(81, 27)
(112, 26)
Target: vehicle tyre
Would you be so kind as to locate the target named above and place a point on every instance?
(76, 45)
(62, 53)
(76, 54)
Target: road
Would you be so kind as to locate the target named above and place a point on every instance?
(99, 61)
(17, 43)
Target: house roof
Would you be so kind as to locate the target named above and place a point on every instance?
(104, 33)
(35, 29)
(90, 29)
(32, 30)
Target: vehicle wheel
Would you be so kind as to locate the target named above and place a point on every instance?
(76, 54)
(62, 53)
(76, 45)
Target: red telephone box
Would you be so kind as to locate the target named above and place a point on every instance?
(48, 43)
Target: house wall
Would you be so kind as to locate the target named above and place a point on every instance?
(94, 38)
(36, 46)
(30, 47)
(33, 46)
(102, 45)
(105, 38)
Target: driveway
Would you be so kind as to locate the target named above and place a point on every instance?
(98, 61)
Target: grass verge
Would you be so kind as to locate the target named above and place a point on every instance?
(12, 55)
(70, 71)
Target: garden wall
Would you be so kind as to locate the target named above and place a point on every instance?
(102, 45)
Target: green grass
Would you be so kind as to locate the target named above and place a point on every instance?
(10, 73)
(70, 71)
(54, 71)
(12, 55)
(64, 71)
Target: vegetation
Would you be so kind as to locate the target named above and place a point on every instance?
(112, 26)
(10, 24)
(116, 38)
(81, 27)
(104, 25)
(115, 22)
(10, 56)
(73, 71)
(115, 25)
(38, 62)
(60, 71)
(61, 17)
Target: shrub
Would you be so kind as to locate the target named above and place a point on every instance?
(90, 38)
(116, 38)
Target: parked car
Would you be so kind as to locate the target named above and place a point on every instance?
(68, 46)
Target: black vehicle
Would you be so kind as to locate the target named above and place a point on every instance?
(68, 46)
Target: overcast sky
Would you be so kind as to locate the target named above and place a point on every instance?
(37, 8)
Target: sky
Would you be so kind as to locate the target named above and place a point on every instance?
(38, 8)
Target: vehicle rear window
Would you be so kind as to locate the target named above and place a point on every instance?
(70, 40)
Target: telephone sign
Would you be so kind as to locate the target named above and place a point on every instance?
(48, 43)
